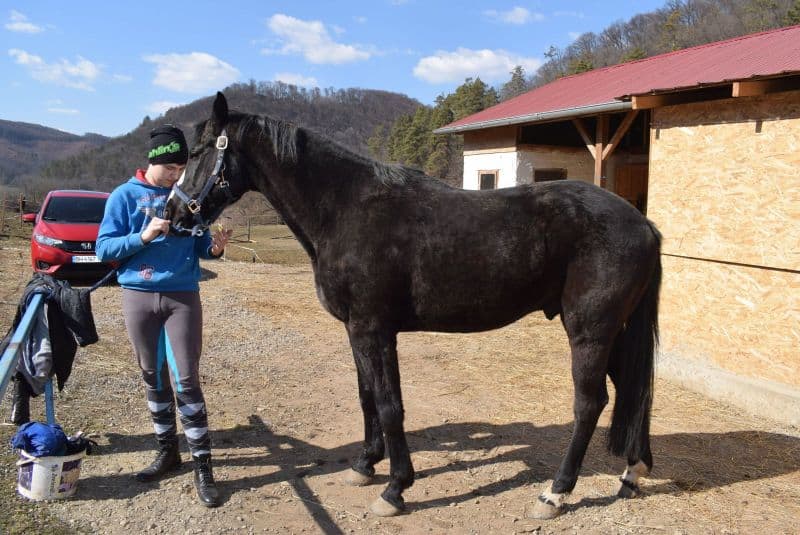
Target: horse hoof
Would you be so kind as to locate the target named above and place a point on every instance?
(381, 507)
(544, 511)
(626, 491)
(356, 479)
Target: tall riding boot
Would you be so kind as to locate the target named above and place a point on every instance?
(204, 481)
(21, 401)
(167, 458)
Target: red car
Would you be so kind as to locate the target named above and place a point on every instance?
(65, 232)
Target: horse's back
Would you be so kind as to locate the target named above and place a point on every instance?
(431, 257)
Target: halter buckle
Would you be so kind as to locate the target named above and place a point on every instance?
(222, 142)
(193, 206)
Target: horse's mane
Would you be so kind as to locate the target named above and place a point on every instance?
(284, 139)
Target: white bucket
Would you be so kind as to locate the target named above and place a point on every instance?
(48, 478)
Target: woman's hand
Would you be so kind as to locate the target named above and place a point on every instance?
(219, 240)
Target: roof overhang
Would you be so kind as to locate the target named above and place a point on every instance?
(543, 117)
(733, 88)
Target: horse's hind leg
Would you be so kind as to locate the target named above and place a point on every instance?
(376, 357)
(589, 362)
(373, 447)
(639, 465)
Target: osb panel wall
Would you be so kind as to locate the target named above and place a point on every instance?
(725, 179)
(577, 161)
(744, 320)
(490, 138)
(724, 184)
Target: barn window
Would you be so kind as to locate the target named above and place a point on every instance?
(488, 179)
(546, 175)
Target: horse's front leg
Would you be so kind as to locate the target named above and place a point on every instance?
(375, 352)
(373, 448)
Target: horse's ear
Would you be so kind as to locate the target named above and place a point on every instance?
(220, 114)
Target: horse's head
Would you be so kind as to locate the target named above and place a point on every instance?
(212, 179)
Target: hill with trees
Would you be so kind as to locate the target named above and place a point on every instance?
(347, 115)
(25, 148)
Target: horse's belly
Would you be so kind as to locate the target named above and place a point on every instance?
(474, 316)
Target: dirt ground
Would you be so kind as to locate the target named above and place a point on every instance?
(488, 417)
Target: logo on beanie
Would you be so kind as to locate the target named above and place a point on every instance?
(172, 148)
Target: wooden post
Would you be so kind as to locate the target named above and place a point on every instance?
(599, 142)
(3, 214)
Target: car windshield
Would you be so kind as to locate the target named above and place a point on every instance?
(75, 209)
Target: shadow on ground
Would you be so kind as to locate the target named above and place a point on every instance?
(690, 462)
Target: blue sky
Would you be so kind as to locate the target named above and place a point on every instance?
(90, 66)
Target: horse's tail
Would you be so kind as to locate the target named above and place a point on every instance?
(632, 366)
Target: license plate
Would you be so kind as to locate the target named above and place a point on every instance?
(86, 259)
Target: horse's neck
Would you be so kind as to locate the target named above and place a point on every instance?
(307, 192)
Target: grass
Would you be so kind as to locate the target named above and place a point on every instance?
(269, 244)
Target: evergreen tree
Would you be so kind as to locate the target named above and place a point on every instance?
(634, 54)
(516, 86)
(437, 163)
(578, 66)
(376, 143)
(793, 14)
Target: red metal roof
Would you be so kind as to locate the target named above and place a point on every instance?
(762, 54)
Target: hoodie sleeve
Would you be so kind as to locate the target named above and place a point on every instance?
(116, 238)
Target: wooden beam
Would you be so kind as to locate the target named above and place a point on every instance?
(581, 128)
(762, 87)
(646, 102)
(621, 131)
(599, 141)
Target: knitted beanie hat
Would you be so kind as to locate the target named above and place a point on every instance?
(167, 145)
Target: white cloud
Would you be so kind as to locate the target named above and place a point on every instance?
(122, 78)
(489, 65)
(296, 79)
(574, 35)
(78, 75)
(64, 111)
(517, 15)
(360, 19)
(196, 72)
(311, 40)
(17, 22)
(160, 106)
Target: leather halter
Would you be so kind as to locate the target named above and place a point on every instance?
(217, 178)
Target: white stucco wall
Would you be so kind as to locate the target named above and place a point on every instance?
(505, 162)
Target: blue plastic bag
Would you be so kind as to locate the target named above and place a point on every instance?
(40, 440)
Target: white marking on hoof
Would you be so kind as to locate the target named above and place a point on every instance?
(630, 480)
(381, 507)
(548, 506)
(356, 479)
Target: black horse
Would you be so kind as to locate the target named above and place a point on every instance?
(394, 250)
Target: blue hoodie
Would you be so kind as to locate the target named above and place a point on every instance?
(166, 264)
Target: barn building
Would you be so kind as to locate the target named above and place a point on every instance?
(706, 142)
